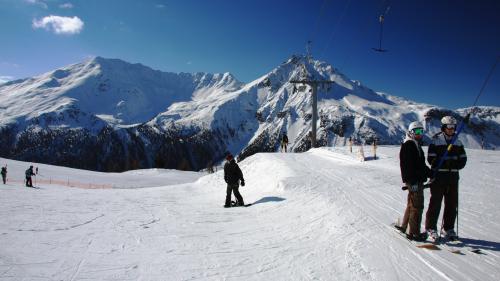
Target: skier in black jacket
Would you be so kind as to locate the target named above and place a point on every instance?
(29, 173)
(284, 142)
(4, 174)
(414, 173)
(232, 176)
(445, 184)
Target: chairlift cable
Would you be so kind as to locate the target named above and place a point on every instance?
(465, 120)
(335, 28)
(486, 80)
(312, 36)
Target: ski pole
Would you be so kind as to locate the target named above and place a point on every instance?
(458, 192)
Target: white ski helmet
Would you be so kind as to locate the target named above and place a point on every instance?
(415, 125)
(449, 120)
(415, 129)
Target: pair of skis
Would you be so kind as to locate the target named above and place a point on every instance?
(454, 246)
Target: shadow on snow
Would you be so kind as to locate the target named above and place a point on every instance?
(480, 244)
(269, 199)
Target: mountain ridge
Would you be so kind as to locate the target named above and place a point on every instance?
(139, 117)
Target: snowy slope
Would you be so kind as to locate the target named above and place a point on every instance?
(319, 215)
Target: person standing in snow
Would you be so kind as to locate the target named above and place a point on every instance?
(414, 173)
(29, 173)
(4, 174)
(233, 176)
(445, 182)
(284, 142)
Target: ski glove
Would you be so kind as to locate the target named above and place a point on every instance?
(412, 187)
(242, 183)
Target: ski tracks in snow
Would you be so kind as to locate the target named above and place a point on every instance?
(368, 193)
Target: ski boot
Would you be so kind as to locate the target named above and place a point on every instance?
(449, 235)
(432, 235)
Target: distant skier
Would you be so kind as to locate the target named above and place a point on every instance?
(445, 183)
(4, 174)
(29, 173)
(414, 173)
(284, 142)
(232, 176)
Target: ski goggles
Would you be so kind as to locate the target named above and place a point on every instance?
(450, 127)
(418, 131)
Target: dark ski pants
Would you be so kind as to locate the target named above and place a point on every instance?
(29, 183)
(284, 146)
(4, 179)
(414, 210)
(450, 194)
(233, 188)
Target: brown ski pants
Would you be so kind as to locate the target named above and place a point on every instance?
(413, 212)
(450, 194)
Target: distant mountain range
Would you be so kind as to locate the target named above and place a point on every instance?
(110, 115)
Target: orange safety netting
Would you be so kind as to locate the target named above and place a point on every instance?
(67, 183)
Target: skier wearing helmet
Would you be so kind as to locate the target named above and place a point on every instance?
(445, 183)
(414, 172)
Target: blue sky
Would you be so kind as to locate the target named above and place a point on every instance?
(440, 52)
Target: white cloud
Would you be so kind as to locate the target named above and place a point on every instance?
(160, 6)
(38, 2)
(66, 6)
(59, 25)
(9, 64)
(189, 63)
(4, 79)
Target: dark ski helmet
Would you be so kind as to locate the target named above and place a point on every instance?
(229, 157)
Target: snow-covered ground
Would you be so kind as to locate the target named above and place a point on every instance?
(319, 215)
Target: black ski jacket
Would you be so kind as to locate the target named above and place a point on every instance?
(29, 172)
(412, 163)
(232, 172)
(455, 159)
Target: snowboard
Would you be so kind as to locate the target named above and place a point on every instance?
(235, 204)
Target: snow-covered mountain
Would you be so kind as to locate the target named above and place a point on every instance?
(110, 115)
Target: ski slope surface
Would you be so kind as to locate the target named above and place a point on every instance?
(319, 215)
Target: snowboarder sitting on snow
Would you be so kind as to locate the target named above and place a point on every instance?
(232, 176)
(414, 173)
(445, 183)
(284, 142)
(29, 173)
(4, 174)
